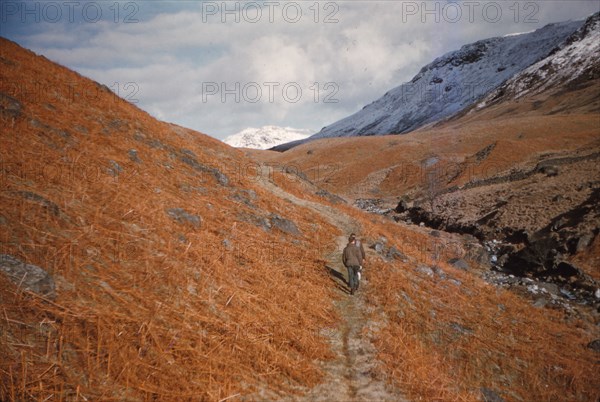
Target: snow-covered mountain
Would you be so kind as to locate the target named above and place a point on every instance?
(452, 83)
(576, 60)
(265, 137)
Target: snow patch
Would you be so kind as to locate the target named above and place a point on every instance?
(451, 83)
(265, 137)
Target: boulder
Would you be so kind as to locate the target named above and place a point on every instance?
(182, 216)
(594, 345)
(491, 395)
(28, 276)
(424, 269)
(133, 156)
(285, 225)
(459, 263)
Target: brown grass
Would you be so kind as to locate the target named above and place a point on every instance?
(153, 309)
(148, 308)
(346, 166)
(520, 351)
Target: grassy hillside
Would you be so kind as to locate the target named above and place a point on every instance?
(176, 274)
(173, 267)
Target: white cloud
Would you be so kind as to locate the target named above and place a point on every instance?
(175, 50)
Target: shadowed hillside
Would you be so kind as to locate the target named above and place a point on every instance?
(144, 261)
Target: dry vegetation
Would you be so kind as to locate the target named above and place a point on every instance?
(445, 341)
(390, 166)
(206, 306)
(211, 302)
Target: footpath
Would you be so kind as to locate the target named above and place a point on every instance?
(351, 375)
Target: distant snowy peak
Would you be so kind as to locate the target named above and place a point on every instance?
(265, 137)
(576, 59)
(452, 83)
(517, 34)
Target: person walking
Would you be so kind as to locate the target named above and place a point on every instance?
(352, 258)
(363, 257)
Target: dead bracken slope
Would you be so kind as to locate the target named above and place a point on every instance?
(144, 261)
(169, 267)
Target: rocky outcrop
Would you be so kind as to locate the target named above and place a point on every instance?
(28, 277)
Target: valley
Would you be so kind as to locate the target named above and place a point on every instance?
(144, 261)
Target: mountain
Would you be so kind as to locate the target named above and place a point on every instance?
(575, 63)
(451, 83)
(265, 137)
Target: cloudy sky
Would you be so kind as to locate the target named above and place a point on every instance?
(219, 67)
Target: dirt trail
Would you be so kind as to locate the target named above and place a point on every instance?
(351, 376)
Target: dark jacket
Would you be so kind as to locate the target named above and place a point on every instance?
(352, 256)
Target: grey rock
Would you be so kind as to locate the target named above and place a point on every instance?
(189, 158)
(28, 276)
(334, 199)
(459, 263)
(227, 244)
(461, 329)
(394, 253)
(584, 242)
(550, 288)
(439, 272)
(49, 205)
(115, 169)
(491, 395)
(455, 282)
(549, 171)
(133, 156)
(378, 246)
(9, 106)
(182, 216)
(567, 294)
(407, 298)
(246, 197)
(560, 223)
(502, 260)
(285, 225)
(424, 269)
(594, 345)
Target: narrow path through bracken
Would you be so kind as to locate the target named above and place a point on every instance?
(351, 376)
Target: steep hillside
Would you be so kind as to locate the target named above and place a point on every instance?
(574, 65)
(451, 83)
(143, 261)
(164, 270)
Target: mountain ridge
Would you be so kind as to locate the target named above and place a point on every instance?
(265, 137)
(451, 83)
(575, 61)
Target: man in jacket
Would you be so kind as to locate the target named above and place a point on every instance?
(352, 258)
(358, 243)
